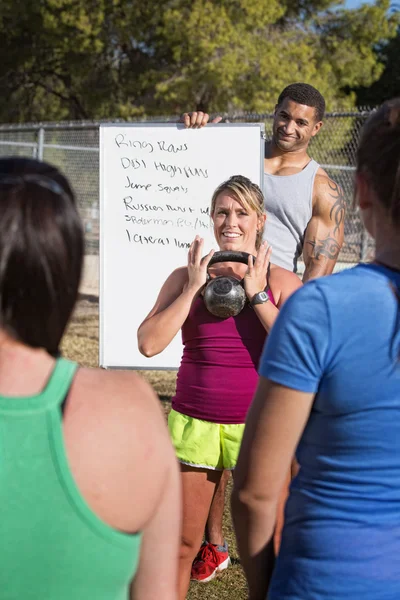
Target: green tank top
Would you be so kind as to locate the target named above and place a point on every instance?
(52, 546)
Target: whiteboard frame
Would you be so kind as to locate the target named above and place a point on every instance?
(102, 126)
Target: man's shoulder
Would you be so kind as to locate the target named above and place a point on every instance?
(326, 192)
(322, 180)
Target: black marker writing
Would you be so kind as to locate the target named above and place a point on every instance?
(134, 163)
(171, 190)
(165, 147)
(131, 205)
(147, 239)
(137, 186)
(174, 170)
(150, 221)
(199, 224)
(121, 140)
(180, 244)
(176, 208)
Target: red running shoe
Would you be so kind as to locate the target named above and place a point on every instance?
(210, 560)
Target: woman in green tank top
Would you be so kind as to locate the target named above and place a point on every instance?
(89, 490)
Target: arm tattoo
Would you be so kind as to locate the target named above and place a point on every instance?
(338, 209)
(327, 247)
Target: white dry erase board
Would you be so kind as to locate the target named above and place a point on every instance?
(156, 183)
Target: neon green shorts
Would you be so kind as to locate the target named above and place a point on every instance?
(203, 443)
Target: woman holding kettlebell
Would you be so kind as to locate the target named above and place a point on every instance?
(218, 372)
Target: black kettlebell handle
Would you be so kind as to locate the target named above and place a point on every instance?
(230, 256)
(233, 256)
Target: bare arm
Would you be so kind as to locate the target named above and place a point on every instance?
(282, 285)
(286, 282)
(274, 424)
(173, 303)
(123, 462)
(325, 231)
(281, 282)
(157, 574)
(167, 315)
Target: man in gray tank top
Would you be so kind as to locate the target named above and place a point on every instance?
(305, 210)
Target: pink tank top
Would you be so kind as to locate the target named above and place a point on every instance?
(218, 375)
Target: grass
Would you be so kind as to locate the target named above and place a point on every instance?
(81, 343)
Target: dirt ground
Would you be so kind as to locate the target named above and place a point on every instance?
(81, 343)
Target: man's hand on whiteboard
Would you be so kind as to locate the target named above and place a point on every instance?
(197, 119)
(197, 266)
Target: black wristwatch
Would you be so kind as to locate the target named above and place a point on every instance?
(259, 298)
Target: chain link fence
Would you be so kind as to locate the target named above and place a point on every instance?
(74, 148)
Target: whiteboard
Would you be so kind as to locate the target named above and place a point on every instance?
(156, 184)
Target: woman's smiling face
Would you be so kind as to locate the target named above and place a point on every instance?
(235, 228)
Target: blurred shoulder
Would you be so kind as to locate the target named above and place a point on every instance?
(111, 380)
(349, 277)
(117, 395)
(118, 445)
(348, 287)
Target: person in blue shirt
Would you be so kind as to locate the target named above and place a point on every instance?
(329, 389)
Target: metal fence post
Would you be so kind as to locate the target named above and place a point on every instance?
(40, 143)
(363, 245)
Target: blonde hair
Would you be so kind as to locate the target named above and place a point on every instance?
(247, 193)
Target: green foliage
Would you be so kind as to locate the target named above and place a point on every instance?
(93, 59)
(388, 85)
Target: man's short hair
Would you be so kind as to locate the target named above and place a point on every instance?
(303, 93)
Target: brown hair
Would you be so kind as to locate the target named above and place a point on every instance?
(41, 252)
(378, 156)
(247, 193)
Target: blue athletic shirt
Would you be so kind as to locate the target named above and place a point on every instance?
(339, 337)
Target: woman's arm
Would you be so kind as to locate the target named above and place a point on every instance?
(155, 497)
(122, 460)
(274, 424)
(173, 303)
(294, 360)
(157, 575)
(167, 315)
(286, 282)
(281, 282)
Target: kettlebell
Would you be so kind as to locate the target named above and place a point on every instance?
(224, 296)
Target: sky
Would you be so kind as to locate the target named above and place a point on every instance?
(356, 3)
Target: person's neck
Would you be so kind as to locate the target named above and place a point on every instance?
(388, 259)
(279, 157)
(23, 370)
(387, 247)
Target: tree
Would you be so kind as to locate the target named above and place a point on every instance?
(227, 57)
(388, 85)
(93, 59)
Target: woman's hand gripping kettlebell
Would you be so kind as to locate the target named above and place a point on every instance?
(256, 278)
(197, 266)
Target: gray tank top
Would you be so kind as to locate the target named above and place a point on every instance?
(288, 202)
